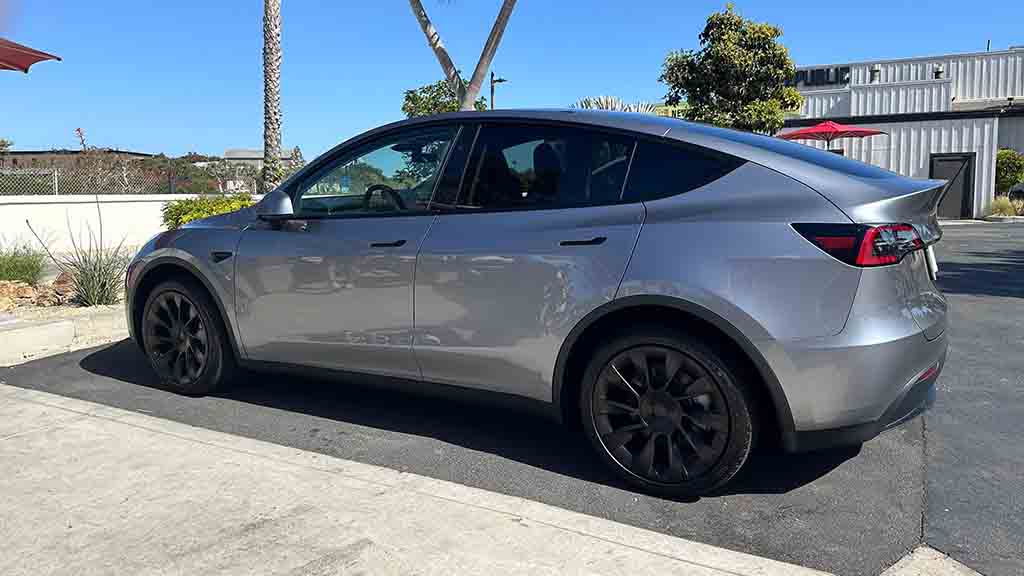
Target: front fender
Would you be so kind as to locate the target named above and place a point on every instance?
(193, 252)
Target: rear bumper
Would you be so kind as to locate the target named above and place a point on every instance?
(918, 397)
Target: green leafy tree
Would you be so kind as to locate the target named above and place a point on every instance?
(738, 77)
(191, 179)
(295, 163)
(5, 145)
(434, 99)
(1009, 169)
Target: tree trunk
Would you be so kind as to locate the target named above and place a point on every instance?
(271, 176)
(434, 41)
(487, 55)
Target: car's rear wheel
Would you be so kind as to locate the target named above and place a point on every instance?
(184, 339)
(666, 413)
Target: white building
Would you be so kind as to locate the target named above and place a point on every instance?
(253, 157)
(944, 117)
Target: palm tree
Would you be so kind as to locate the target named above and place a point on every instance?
(271, 175)
(466, 93)
(616, 103)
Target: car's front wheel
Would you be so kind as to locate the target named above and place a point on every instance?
(184, 338)
(666, 413)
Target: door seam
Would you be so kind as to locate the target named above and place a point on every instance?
(415, 268)
(636, 241)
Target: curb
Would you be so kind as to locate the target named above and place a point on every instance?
(26, 340)
(927, 561)
(1015, 219)
(301, 515)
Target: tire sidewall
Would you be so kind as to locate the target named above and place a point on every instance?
(213, 371)
(738, 399)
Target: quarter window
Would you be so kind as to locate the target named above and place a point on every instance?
(545, 167)
(393, 175)
(661, 170)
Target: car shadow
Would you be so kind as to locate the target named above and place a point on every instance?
(984, 273)
(507, 431)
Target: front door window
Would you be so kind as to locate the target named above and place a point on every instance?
(394, 175)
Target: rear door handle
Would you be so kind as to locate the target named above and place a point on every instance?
(592, 242)
(394, 244)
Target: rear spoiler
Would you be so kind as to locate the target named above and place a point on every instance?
(900, 200)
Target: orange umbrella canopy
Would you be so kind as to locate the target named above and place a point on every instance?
(829, 131)
(14, 56)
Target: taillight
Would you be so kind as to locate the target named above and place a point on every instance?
(861, 245)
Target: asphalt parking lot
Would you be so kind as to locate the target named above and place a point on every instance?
(952, 479)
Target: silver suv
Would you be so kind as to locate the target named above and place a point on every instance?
(675, 290)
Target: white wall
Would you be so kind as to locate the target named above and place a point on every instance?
(901, 98)
(134, 218)
(826, 103)
(995, 74)
(907, 147)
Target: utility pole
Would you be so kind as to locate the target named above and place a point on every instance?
(493, 82)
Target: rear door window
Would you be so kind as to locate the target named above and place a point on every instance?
(660, 169)
(526, 166)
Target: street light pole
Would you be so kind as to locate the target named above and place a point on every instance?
(493, 82)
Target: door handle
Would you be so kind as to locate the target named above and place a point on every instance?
(592, 242)
(394, 244)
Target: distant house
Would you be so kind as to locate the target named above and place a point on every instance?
(48, 159)
(252, 156)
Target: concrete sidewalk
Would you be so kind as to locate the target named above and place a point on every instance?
(89, 489)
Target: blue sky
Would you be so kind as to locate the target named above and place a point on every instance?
(184, 75)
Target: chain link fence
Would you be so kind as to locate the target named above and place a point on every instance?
(123, 178)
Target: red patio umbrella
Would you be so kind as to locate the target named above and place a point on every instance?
(14, 56)
(828, 131)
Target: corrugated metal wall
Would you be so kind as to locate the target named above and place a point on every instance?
(826, 103)
(901, 98)
(909, 145)
(1011, 133)
(980, 75)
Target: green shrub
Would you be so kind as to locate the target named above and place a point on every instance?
(1002, 206)
(21, 262)
(1009, 169)
(176, 213)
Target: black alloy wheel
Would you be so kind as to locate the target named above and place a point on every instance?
(176, 338)
(184, 339)
(667, 414)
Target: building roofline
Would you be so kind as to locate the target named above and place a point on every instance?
(1005, 111)
(67, 152)
(911, 58)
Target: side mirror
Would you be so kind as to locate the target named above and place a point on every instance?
(276, 206)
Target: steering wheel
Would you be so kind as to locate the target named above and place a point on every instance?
(384, 190)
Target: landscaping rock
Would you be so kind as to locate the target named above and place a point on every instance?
(15, 294)
(64, 286)
(17, 290)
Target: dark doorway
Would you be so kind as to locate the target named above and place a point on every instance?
(958, 169)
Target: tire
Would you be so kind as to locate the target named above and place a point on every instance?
(195, 360)
(681, 438)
